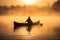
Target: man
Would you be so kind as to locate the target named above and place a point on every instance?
(29, 20)
(29, 24)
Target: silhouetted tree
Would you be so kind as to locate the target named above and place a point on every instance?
(13, 7)
(56, 6)
(3, 10)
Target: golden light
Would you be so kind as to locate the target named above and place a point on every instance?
(29, 2)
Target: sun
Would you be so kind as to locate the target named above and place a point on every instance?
(29, 2)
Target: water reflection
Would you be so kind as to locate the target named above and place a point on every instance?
(47, 32)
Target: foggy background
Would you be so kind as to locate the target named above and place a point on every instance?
(47, 11)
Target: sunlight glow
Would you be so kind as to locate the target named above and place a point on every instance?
(29, 2)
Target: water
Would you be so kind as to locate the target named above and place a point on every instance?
(49, 18)
(49, 31)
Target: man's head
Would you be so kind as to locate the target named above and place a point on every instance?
(29, 19)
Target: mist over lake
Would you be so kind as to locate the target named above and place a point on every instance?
(48, 15)
(50, 23)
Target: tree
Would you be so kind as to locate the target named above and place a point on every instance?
(56, 6)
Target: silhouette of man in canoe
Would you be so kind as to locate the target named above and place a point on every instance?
(28, 24)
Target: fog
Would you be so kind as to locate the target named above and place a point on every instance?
(50, 24)
(48, 15)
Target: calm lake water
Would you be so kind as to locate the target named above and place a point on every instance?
(49, 31)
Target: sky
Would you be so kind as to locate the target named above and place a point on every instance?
(18, 2)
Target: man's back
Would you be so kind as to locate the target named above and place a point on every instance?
(29, 20)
